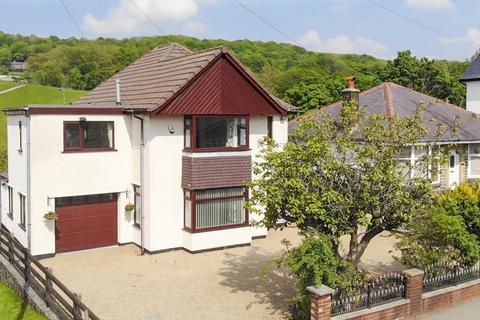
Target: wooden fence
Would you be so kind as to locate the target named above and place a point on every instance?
(54, 293)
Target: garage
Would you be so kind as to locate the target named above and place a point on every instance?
(86, 222)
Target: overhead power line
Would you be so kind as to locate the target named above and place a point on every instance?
(418, 23)
(267, 22)
(73, 19)
(146, 16)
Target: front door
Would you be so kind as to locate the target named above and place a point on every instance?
(453, 169)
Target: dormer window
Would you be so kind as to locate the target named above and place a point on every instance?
(216, 133)
(88, 136)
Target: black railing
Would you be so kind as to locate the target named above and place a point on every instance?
(442, 275)
(384, 289)
(64, 303)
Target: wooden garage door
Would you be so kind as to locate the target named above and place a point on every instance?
(86, 222)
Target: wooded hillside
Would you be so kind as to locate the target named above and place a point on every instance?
(304, 78)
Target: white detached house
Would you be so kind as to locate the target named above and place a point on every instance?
(174, 133)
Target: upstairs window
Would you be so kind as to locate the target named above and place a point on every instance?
(216, 133)
(88, 135)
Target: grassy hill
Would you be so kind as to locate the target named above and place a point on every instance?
(29, 94)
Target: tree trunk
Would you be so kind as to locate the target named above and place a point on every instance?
(361, 246)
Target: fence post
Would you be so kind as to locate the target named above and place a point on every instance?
(369, 291)
(11, 256)
(48, 286)
(77, 310)
(455, 275)
(414, 290)
(26, 263)
(321, 302)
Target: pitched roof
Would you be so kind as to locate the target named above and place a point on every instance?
(473, 72)
(152, 80)
(457, 124)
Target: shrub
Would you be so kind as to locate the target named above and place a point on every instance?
(437, 236)
(314, 263)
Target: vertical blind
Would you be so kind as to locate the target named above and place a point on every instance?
(219, 207)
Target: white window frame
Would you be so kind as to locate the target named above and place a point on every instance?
(476, 155)
(413, 159)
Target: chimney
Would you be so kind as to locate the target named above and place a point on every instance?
(351, 93)
(117, 87)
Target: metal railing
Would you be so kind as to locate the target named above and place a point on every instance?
(62, 301)
(442, 275)
(384, 289)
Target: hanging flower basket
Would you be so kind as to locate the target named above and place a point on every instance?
(129, 207)
(52, 216)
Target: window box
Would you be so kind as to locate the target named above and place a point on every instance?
(216, 133)
(88, 136)
(215, 209)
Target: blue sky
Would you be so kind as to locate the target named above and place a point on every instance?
(342, 26)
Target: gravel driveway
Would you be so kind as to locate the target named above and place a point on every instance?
(117, 283)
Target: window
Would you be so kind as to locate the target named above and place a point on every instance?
(22, 209)
(88, 135)
(215, 209)
(20, 147)
(216, 133)
(474, 160)
(10, 202)
(412, 163)
(270, 127)
(137, 213)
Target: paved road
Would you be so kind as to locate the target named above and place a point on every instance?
(466, 311)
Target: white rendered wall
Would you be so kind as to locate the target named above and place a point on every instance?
(57, 174)
(216, 239)
(473, 96)
(17, 171)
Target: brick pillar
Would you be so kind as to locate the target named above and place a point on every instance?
(414, 290)
(321, 302)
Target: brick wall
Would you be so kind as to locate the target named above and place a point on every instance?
(415, 304)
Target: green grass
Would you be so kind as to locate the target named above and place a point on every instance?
(31, 94)
(8, 84)
(12, 307)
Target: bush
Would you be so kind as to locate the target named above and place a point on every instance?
(314, 263)
(437, 236)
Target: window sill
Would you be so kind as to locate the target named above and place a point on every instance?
(233, 226)
(190, 150)
(22, 226)
(89, 151)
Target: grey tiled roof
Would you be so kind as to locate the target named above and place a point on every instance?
(153, 79)
(457, 124)
(473, 72)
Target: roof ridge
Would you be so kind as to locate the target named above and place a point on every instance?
(193, 53)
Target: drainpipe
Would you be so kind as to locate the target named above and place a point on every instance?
(142, 190)
(29, 188)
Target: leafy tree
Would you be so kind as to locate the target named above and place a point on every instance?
(5, 56)
(338, 175)
(435, 236)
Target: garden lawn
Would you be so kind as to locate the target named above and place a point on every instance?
(12, 307)
(4, 85)
(31, 94)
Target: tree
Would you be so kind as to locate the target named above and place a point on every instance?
(338, 175)
(5, 56)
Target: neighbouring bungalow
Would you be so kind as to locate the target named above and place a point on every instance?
(460, 127)
(158, 155)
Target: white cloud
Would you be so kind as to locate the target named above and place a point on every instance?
(343, 44)
(430, 4)
(472, 36)
(125, 18)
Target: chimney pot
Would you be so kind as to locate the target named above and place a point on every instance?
(351, 93)
(117, 89)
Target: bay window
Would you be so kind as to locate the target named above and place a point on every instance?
(474, 160)
(215, 132)
(215, 209)
(88, 135)
(413, 163)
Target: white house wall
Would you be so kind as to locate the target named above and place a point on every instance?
(473, 96)
(58, 174)
(17, 164)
